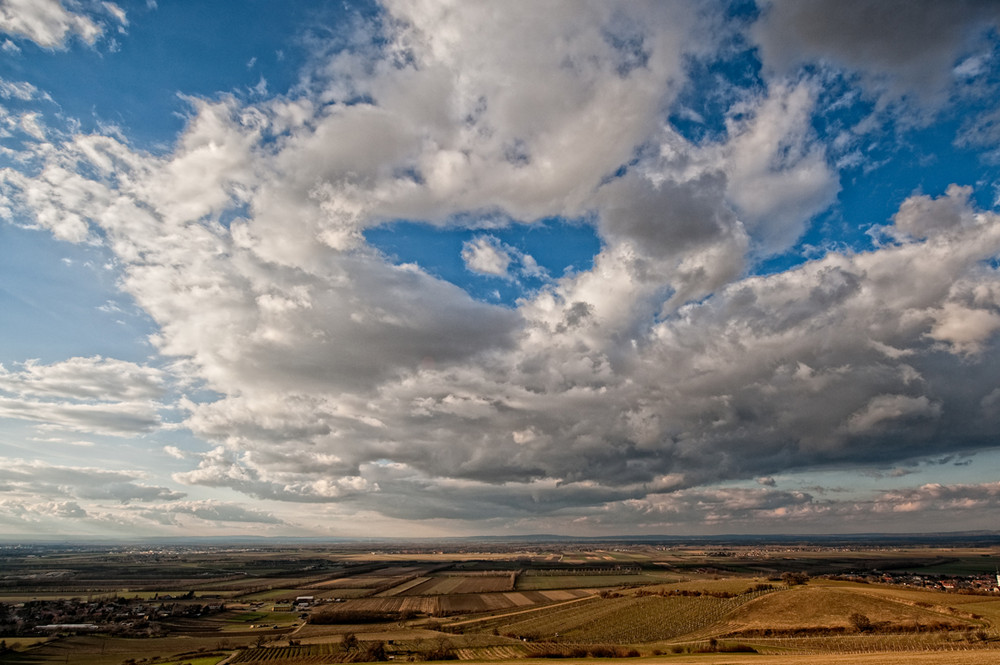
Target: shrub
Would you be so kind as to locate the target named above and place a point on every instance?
(551, 653)
(861, 622)
(349, 642)
(442, 651)
(602, 652)
(793, 579)
(375, 652)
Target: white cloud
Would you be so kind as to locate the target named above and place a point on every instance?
(96, 395)
(175, 452)
(21, 90)
(778, 175)
(486, 255)
(940, 506)
(94, 378)
(213, 511)
(885, 409)
(30, 125)
(117, 12)
(48, 22)
(40, 480)
(921, 216)
(965, 329)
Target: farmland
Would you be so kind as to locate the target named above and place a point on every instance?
(673, 602)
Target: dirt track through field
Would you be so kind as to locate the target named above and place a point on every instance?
(510, 614)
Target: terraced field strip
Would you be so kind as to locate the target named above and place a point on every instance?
(402, 588)
(424, 604)
(458, 584)
(340, 592)
(623, 620)
(496, 619)
(866, 643)
(439, 586)
(552, 623)
(357, 582)
(564, 581)
(511, 652)
(985, 657)
(308, 653)
(274, 594)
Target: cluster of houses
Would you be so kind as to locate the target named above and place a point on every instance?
(124, 616)
(954, 583)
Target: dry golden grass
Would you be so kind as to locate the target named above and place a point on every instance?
(722, 585)
(985, 657)
(830, 607)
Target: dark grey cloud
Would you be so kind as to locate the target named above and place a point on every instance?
(907, 47)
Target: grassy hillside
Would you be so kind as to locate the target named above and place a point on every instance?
(824, 608)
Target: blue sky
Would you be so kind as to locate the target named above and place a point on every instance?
(425, 268)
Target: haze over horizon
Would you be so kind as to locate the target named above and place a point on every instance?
(421, 268)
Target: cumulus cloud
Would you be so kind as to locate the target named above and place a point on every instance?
(486, 255)
(921, 216)
(338, 377)
(175, 452)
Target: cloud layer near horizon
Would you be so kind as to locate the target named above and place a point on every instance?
(622, 393)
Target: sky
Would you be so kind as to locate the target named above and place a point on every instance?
(423, 268)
